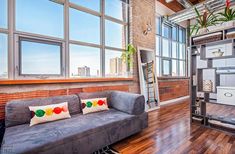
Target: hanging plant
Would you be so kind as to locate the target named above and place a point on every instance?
(228, 14)
(127, 55)
(203, 21)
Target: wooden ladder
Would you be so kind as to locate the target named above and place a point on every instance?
(151, 83)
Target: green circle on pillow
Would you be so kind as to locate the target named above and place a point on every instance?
(39, 113)
(89, 104)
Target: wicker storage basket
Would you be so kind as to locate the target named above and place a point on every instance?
(230, 35)
(207, 38)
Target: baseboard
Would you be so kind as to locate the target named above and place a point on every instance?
(174, 101)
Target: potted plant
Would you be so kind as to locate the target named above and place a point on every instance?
(127, 56)
(203, 22)
(228, 16)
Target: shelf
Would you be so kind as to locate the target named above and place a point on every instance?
(224, 120)
(195, 54)
(215, 42)
(208, 92)
(217, 103)
(228, 70)
(198, 115)
(222, 57)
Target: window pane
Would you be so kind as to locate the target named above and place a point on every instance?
(3, 56)
(174, 50)
(116, 9)
(174, 33)
(158, 66)
(158, 45)
(165, 48)
(3, 13)
(114, 65)
(84, 27)
(84, 61)
(166, 67)
(115, 35)
(41, 17)
(40, 58)
(174, 68)
(90, 4)
(182, 51)
(158, 24)
(182, 68)
(181, 35)
(166, 31)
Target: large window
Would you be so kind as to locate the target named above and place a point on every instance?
(40, 57)
(114, 65)
(3, 56)
(115, 35)
(41, 17)
(116, 9)
(63, 38)
(90, 4)
(84, 27)
(170, 49)
(84, 61)
(3, 13)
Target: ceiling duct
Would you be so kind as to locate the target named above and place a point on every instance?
(189, 13)
(185, 3)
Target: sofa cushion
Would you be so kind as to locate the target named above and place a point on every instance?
(47, 113)
(79, 134)
(17, 111)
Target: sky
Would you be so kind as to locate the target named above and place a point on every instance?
(38, 58)
(3, 54)
(47, 18)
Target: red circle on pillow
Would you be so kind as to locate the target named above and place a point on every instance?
(32, 114)
(83, 105)
(100, 102)
(57, 110)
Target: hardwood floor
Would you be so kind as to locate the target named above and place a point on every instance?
(170, 131)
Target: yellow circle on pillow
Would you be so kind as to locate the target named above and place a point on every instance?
(49, 111)
(94, 103)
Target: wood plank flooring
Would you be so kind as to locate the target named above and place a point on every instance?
(170, 132)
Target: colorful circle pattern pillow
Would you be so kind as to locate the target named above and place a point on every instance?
(42, 114)
(94, 105)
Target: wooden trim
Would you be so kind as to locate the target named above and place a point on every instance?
(53, 81)
(173, 78)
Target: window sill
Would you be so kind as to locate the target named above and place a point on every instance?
(53, 81)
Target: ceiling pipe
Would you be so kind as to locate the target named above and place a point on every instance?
(189, 13)
(185, 3)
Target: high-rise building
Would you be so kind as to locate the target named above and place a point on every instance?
(117, 66)
(84, 71)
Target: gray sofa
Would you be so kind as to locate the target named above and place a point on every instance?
(82, 134)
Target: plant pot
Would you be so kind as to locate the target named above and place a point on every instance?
(202, 31)
(228, 24)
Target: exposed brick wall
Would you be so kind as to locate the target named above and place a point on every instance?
(171, 89)
(141, 13)
(6, 97)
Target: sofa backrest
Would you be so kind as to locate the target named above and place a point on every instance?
(17, 111)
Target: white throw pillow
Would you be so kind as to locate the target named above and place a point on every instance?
(94, 105)
(42, 114)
